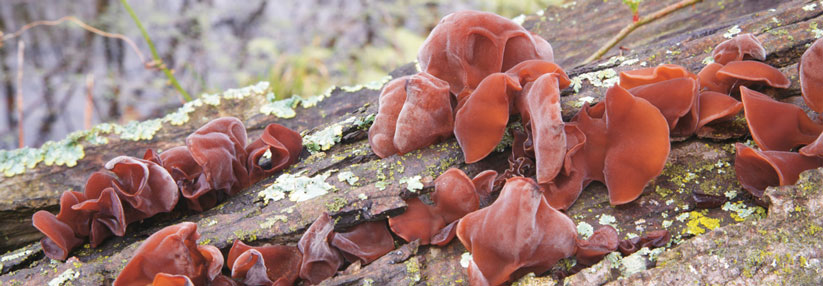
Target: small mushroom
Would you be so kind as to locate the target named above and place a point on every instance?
(517, 234)
(284, 145)
(757, 170)
(320, 259)
(752, 72)
(365, 242)
(264, 265)
(172, 250)
(739, 48)
(676, 99)
(635, 78)
(426, 116)
(590, 251)
(811, 80)
(390, 102)
(615, 131)
(481, 121)
(652, 239)
(776, 125)
(219, 148)
(709, 81)
(716, 107)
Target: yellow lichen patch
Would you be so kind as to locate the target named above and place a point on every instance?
(698, 221)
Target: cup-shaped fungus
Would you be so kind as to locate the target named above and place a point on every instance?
(219, 148)
(590, 251)
(455, 195)
(517, 234)
(283, 144)
(467, 46)
(189, 177)
(390, 102)
(739, 48)
(615, 131)
(320, 259)
(752, 72)
(635, 78)
(65, 231)
(776, 125)
(172, 250)
(481, 120)
(652, 239)
(364, 242)
(543, 106)
(811, 79)
(676, 99)
(264, 265)
(757, 170)
(426, 116)
(107, 216)
(709, 81)
(144, 186)
(715, 107)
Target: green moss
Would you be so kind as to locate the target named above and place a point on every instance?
(413, 270)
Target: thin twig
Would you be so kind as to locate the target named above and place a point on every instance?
(82, 25)
(21, 46)
(156, 56)
(643, 21)
(89, 101)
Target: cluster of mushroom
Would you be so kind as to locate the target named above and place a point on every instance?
(215, 162)
(172, 256)
(779, 128)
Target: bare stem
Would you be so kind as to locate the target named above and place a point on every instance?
(83, 25)
(154, 53)
(21, 46)
(89, 101)
(643, 21)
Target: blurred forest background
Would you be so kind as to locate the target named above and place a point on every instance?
(73, 78)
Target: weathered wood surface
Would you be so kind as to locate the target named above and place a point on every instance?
(685, 37)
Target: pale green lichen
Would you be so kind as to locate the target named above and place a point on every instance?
(300, 188)
(272, 220)
(362, 196)
(413, 183)
(815, 30)
(585, 230)
(733, 31)
(368, 282)
(181, 116)
(465, 259)
(607, 220)
(810, 7)
(740, 211)
(519, 19)
(140, 130)
(348, 177)
(324, 139)
(601, 78)
(66, 276)
(532, 280)
(381, 185)
(413, 270)
(283, 108)
(708, 60)
(16, 255)
(373, 85)
(239, 93)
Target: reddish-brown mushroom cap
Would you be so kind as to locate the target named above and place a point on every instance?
(811, 77)
(542, 98)
(417, 222)
(753, 71)
(219, 148)
(284, 145)
(776, 125)
(108, 216)
(813, 149)
(172, 250)
(757, 170)
(483, 185)
(189, 176)
(163, 279)
(144, 185)
(320, 259)
(454, 195)
(60, 239)
(481, 121)
(467, 46)
(676, 99)
(737, 48)
(709, 81)
(635, 78)
(390, 102)
(517, 234)
(652, 239)
(365, 242)
(715, 106)
(617, 131)
(264, 265)
(590, 251)
(426, 116)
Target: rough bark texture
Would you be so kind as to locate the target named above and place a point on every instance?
(735, 244)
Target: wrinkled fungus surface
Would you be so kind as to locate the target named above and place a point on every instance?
(756, 170)
(264, 265)
(811, 76)
(740, 47)
(517, 234)
(320, 259)
(775, 125)
(172, 251)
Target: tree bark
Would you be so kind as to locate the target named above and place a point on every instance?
(705, 165)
